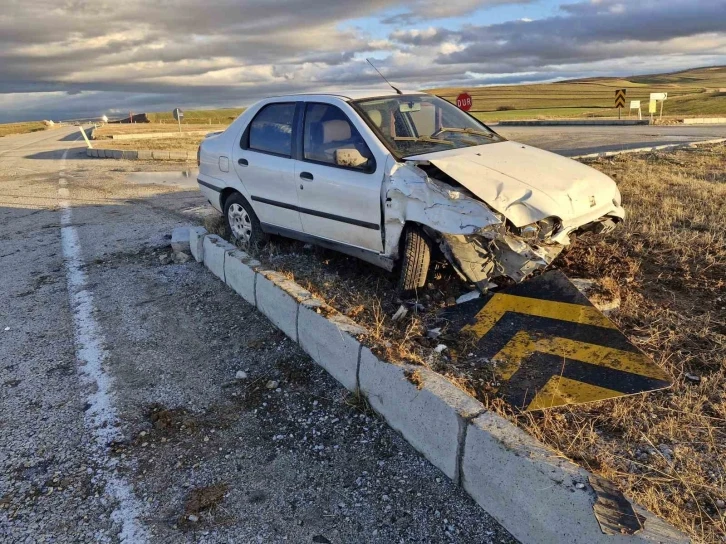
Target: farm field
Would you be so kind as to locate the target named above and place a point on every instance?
(691, 93)
(222, 116)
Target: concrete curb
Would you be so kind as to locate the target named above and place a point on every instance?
(666, 147)
(704, 121)
(535, 494)
(142, 154)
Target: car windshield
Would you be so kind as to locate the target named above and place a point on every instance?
(419, 124)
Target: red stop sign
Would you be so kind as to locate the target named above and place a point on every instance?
(463, 101)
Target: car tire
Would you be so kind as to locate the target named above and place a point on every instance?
(415, 260)
(242, 223)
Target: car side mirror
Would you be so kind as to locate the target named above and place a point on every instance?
(349, 157)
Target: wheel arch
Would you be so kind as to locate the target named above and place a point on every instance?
(400, 237)
(226, 193)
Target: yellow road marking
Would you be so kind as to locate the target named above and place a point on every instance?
(501, 303)
(523, 344)
(559, 391)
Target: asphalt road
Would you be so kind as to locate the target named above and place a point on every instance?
(582, 140)
(120, 413)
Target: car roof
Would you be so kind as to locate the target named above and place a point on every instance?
(353, 94)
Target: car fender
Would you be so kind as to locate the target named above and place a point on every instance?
(410, 196)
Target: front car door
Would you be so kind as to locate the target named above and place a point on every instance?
(339, 179)
(264, 164)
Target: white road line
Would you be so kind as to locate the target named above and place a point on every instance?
(101, 417)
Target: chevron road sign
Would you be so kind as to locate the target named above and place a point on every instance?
(620, 98)
(547, 346)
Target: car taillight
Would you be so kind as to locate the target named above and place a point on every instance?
(199, 153)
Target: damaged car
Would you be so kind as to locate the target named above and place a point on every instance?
(391, 178)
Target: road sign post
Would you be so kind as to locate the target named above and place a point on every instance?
(178, 115)
(635, 105)
(654, 98)
(620, 100)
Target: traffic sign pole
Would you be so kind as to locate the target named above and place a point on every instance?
(178, 114)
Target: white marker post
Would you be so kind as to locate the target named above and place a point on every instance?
(86, 138)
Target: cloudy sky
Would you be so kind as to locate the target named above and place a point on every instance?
(73, 58)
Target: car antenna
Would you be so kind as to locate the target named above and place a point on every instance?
(398, 91)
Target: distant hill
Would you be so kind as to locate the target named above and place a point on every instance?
(695, 92)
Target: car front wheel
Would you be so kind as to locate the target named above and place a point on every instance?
(415, 259)
(242, 222)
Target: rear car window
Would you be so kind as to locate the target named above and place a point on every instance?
(271, 129)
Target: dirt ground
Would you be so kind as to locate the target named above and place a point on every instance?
(668, 266)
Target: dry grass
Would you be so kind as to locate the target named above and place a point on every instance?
(188, 143)
(668, 265)
(669, 262)
(107, 131)
(8, 129)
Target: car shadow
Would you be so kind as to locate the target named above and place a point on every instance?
(73, 152)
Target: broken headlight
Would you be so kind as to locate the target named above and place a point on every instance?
(539, 231)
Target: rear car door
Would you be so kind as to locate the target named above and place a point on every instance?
(339, 181)
(264, 164)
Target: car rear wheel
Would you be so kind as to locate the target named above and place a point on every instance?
(416, 256)
(242, 222)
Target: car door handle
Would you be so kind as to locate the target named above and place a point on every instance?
(306, 175)
(243, 162)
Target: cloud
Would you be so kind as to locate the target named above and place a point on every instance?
(594, 31)
(425, 10)
(72, 58)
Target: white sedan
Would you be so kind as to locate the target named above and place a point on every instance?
(390, 178)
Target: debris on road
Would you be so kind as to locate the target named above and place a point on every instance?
(180, 258)
(400, 313)
(468, 296)
(693, 378)
(434, 333)
(241, 375)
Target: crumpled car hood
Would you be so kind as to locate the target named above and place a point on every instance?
(527, 184)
